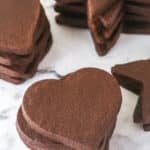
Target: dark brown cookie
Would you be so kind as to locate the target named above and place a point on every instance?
(10, 59)
(20, 78)
(30, 70)
(46, 45)
(136, 18)
(138, 10)
(19, 26)
(80, 22)
(35, 141)
(21, 72)
(9, 79)
(108, 32)
(144, 2)
(71, 1)
(136, 27)
(22, 62)
(72, 13)
(104, 20)
(109, 18)
(73, 10)
(135, 76)
(103, 47)
(72, 125)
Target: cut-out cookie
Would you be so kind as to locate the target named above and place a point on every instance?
(78, 111)
(135, 77)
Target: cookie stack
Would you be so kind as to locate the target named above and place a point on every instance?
(71, 13)
(77, 112)
(105, 23)
(137, 18)
(25, 38)
(135, 76)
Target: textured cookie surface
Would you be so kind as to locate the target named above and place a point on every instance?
(19, 24)
(76, 110)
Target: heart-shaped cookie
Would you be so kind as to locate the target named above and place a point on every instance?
(105, 23)
(19, 20)
(77, 111)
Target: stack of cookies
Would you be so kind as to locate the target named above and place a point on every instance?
(137, 18)
(25, 38)
(77, 112)
(71, 13)
(105, 23)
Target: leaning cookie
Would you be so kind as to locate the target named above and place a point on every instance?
(80, 22)
(135, 77)
(105, 21)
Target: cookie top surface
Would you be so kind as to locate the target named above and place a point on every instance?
(76, 110)
(138, 70)
(18, 22)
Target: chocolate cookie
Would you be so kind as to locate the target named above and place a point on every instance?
(32, 68)
(138, 10)
(136, 18)
(35, 140)
(103, 48)
(10, 79)
(80, 22)
(135, 76)
(25, 72)
(10, 59)
(71, 13)
(104, 20)
(136, 27)
(74, 125)
(18, 29)
(73, 10)
(71, 1)
(30, 31)
(143, 2)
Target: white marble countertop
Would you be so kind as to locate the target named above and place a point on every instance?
(73, 49)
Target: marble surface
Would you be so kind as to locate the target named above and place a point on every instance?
(74, 49)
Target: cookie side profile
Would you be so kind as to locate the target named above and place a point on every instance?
(24, 40)
(105, 21)
(135, 77)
